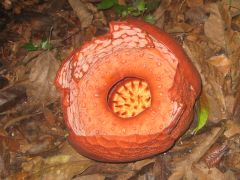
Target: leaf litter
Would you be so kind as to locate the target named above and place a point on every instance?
(32, 132)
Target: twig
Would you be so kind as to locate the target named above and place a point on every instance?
(18, 119)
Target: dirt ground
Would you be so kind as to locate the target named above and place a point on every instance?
(37, 35)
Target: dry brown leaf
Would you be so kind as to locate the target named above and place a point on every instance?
(236, 110)
(49, 116)
(40, 87)
(62, 166)
(160, 170)
(195, 15)
(221, 63)
(183, 169)
(90, 177)
(196, 54)
(137, 169)
(234, 152)
(234, 7)
(43, 145)
(82, 12)
(232, 161)
(203, 172)
(232, 128)
(159, 13)
(218, 69)
(214, 155)
(219, 77)
(179, 28)
(139, 164)
(67, 149)
(234, 55)
(121, 171)
(4, 157)
(214, 27)
(194, 3)
(11, 96)
(9, 143)
(61, 171)
(98, 17)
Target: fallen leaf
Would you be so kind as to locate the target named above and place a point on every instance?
(213, 72)
(4, 159)
(232, 161)
(90, 177)
(160, 170)
(41, 146)
(195, 16)
(40, 87)
(236, 108)
(203, 172)
(234, 6)
(159, 13)
(232, 128)
(82, 12)
(218, 69)
(183, 169)
(194, 3)
(9, 143)
(214, 27)
(11, 96)
(49, 116)
(61, 166)
(215, 153)
(202, 114)
(221, 63)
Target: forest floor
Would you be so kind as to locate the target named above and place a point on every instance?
(37, 35)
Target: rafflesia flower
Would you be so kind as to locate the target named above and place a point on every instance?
(128, 94)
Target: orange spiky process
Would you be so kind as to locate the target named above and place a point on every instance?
(130, 97)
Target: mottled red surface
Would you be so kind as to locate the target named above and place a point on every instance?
(131, 49)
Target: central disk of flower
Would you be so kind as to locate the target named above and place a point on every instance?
(129, 97)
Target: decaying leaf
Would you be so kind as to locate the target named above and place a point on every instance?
(232, 128)
(160, 169)
(194, 3)
(203, 172)
(82, 12)
(218, 68)
(236, 109)
(214, 27)
(215, 153)
(11, 96)
(40, 88)
(232, 159)
(62, 166)
(159, 13)
(217, 79)
(90, 177)
(183, 169)
(234, 6)
(196, 15)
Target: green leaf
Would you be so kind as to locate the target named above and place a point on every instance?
(30, 46)
(150, 6)
(121, 10)
(106, 4)
(140, 5)
(202, 116)
(150, 19)
(45, 44)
